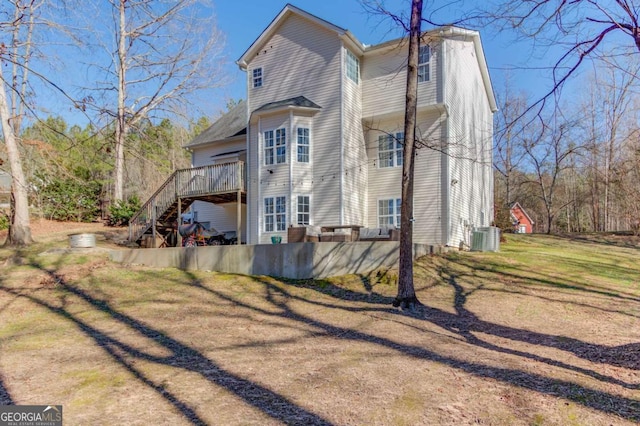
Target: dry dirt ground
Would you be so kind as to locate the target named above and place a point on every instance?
(125, 344)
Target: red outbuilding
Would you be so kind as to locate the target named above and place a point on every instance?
(522, 223)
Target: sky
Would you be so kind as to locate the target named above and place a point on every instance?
(243, 22)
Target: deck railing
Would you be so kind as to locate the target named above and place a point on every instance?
(187, 183)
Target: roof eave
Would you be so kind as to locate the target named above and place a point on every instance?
(289, 9)
(211, 142)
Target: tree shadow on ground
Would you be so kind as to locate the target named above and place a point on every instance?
(180, 356)
(463, 323)
(5, 396)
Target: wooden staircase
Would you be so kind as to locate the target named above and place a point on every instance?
(218, 183)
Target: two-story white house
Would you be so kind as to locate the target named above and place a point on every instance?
(321, 132)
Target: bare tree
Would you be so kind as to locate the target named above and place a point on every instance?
(508, 140)
(164, 51)
(580, 29)
(548, 153)
(16, 53)
(406, 297)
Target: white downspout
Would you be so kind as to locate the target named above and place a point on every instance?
(260, 206)
(342, 78)
(444, 172)
(291, 157)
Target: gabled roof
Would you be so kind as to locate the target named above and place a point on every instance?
(297, 102)
(362, 49)
(233, 123)
(284, 14)
(517, 206)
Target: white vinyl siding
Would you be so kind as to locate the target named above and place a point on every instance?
(352, 67)
(469, 163)
(389, 212)
(424, 56)
(390, 150)
(384, 80)
(303, 145)
(275, 214)
(303, 210)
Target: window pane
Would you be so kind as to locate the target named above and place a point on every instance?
(268, 147)
(352, 66)
(268, 215)
(303, 210)
(268, 205)
(423, 73)
(281, 216)
(281, 150)
(257, 77)
(268, 223)
(424, 54)
(303, 145)
(389, 212)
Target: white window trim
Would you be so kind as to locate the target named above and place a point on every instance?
(308, 145)
(275, 214)
(274, 147)
(395, 158)
(395, 214)
(348, 57)
(425, 65)
(298, 205)
(254, 79)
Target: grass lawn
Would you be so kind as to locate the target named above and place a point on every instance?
(545, 332)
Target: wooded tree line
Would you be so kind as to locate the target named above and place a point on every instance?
(574, 168)
(133, 65)
(69, 169)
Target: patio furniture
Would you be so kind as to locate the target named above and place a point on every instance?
(303, 234)
(384, 233)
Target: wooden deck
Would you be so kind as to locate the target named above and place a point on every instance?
(219, 183)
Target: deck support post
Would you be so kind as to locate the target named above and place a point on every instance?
(153, 223)
(179, 221)
(239, 217)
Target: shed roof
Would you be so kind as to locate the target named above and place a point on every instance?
(233, 123)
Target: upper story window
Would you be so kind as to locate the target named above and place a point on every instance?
(303, 145)
(390, 148)
(275, 147)
(257, 77)
(389, 212)
(352, 67)
(424, 55)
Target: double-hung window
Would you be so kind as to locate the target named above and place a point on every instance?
(390, 148)
(303, 210)
(275, 214)
(268, 147)
(424, 54)
(256, 75)
(281, 146)
(303, 145)
(352, 67)
(389, 212)
(275, 147)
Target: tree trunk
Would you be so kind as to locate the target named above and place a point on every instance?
(19, 228)
(406, 297)
(121, 119)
